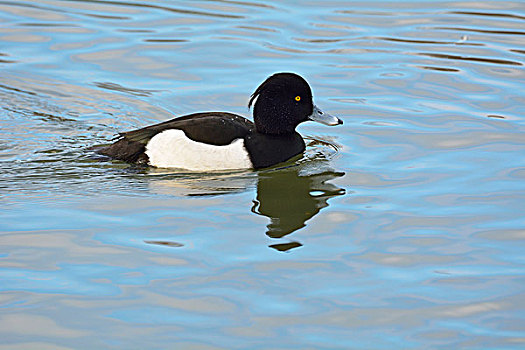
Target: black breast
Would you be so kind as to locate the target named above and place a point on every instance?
(267, 150)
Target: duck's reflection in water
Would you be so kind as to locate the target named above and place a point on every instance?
(288, 196)
(198, 184)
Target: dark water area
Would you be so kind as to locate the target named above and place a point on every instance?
(404, 228)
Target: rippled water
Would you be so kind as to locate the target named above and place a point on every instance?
(404, 228)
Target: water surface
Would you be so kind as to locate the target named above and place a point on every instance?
(404, 228)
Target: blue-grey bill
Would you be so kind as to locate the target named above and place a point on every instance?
(324, 118)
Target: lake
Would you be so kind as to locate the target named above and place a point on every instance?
(404, 228)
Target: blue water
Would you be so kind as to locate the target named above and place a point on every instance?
(402, 229)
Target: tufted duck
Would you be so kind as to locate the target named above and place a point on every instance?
(220, 140)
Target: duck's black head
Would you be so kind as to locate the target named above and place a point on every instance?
(282, 102)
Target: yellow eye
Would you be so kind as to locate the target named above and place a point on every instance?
(298, 98)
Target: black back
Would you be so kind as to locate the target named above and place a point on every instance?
(215, 128)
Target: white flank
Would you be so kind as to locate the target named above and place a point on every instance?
(173, 149)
